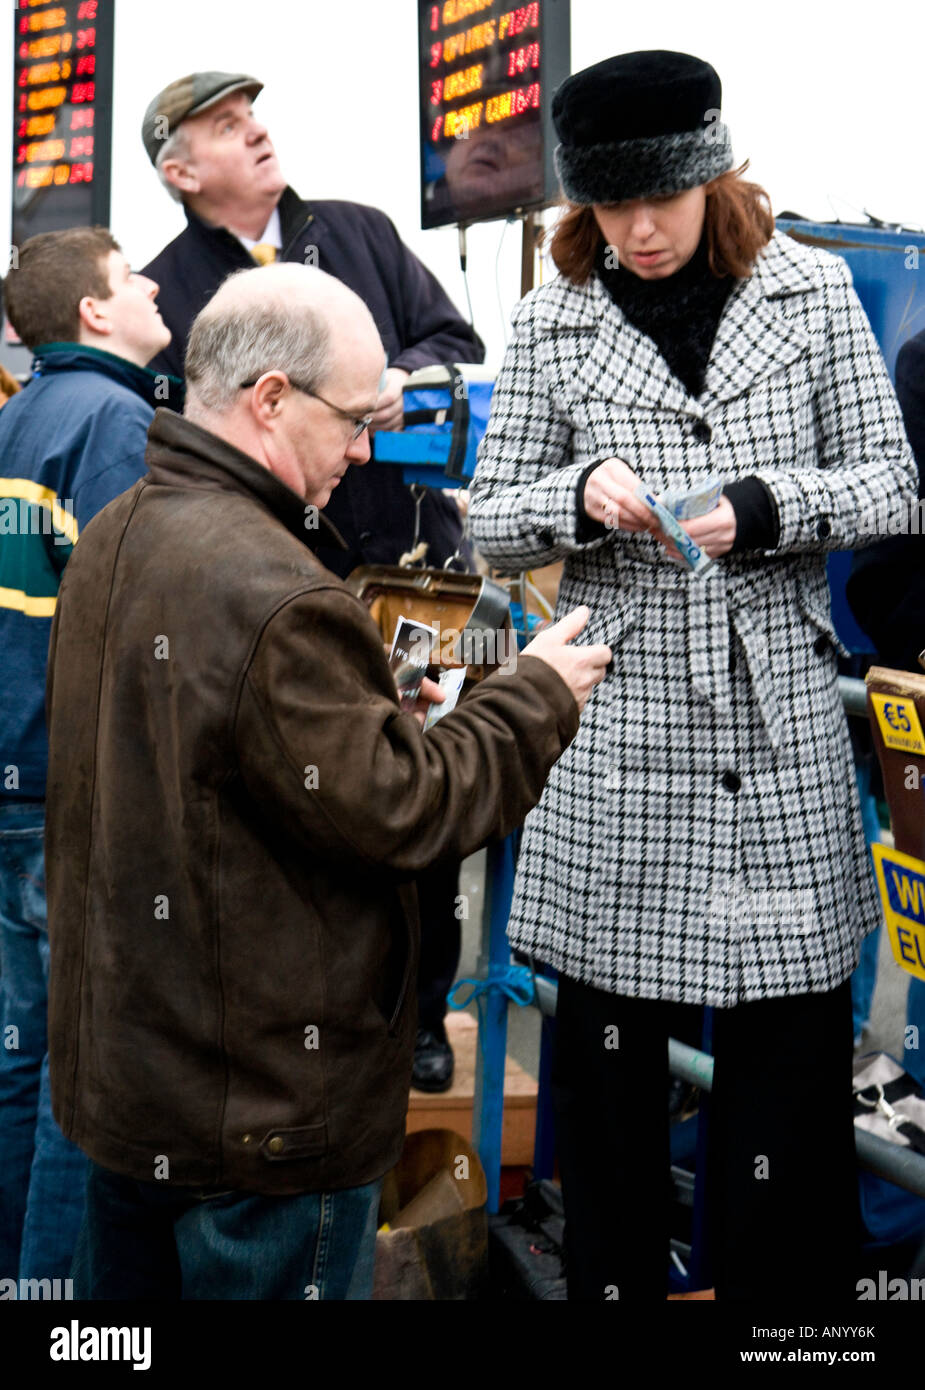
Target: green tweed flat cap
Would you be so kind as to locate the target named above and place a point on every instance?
(187, 97)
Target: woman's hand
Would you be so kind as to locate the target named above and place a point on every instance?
(609, 498)
(714, 532)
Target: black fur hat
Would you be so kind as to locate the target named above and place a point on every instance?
(638, 125)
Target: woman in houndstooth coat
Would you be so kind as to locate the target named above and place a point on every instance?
(700, 841)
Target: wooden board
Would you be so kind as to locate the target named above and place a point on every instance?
(453, 1109)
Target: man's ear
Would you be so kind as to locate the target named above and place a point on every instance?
(180, 174)
(93, 316)
(267, 397)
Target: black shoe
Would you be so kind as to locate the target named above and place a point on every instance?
(433, 1063)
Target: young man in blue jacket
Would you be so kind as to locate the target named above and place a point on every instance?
(70, 442)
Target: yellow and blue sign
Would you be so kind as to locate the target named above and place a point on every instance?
(899, 722)
(901, 880)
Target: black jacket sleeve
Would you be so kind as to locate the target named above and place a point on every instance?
(910, 389)
(757, 519)
(886, 587)
(430, 328)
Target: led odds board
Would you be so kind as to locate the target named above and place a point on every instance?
(487, 74)
(62, 115)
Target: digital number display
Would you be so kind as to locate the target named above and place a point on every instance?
(62, 115)
(487, 74)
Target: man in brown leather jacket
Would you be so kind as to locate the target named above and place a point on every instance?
(236, 808)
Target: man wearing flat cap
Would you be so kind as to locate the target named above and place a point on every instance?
(213, 155)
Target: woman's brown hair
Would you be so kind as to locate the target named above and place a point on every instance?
(739, 223)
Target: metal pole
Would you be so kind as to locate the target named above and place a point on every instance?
(527, 253)
(488, 1101)
(854, 695)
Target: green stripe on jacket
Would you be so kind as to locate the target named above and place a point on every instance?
(33, 553)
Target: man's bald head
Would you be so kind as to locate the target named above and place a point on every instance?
(290, 317)
(286, 364)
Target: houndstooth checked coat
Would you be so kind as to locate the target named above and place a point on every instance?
(700, 840)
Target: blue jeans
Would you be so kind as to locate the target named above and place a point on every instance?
(148, 1240)
(42, 1175)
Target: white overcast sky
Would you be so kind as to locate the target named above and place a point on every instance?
(825, 99)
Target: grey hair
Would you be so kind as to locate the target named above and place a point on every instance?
(233, 343)
(176, 146)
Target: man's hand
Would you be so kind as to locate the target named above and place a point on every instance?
(580, 667)
(390, 407)
(609, 498)
(430, 694)
(714, 532)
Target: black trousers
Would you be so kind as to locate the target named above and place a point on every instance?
(783, 1216)
(441, 938)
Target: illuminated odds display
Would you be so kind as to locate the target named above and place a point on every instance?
(487, 74)
(62, 115)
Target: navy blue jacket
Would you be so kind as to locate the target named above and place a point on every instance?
(69, 443)
(886, 587)
(371, 507)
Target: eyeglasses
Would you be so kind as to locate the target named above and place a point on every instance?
(359, 422)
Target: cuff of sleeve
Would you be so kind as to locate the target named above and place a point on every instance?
(757, 519)
(586, 529)
(553, 516)
(554, 689)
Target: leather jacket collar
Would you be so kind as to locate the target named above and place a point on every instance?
(182, 453)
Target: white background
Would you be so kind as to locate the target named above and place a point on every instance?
(825, 99)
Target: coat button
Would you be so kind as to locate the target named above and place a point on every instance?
(823, 528)
(246, 1138)
(821, 645)
(365, 537)
(276, 1144)
(701, 431)
(732, 781)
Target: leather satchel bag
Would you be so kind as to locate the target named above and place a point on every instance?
(471, 613)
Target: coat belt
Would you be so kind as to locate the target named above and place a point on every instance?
(713, 608)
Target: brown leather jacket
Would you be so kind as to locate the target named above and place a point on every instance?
(236, 810)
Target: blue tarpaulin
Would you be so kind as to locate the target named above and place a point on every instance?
(888, 268)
